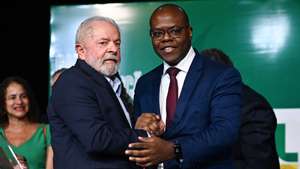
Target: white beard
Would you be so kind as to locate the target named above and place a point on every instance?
(108, 69)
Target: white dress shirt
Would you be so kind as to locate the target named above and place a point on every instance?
(183, 66)
(116, 85)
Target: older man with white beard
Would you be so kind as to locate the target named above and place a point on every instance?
(91, 125)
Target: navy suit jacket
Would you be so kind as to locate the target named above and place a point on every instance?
(89, 129)
(207, 115)
(256, 147)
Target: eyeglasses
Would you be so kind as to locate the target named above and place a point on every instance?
(173, 32)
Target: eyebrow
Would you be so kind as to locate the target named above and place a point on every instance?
(175, 26)
(107, 39)
(24, 93)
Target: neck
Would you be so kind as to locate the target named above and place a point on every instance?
(17, 122)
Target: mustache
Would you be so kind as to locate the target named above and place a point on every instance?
(110, 56)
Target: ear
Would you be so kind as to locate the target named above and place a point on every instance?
(80, 51)
(190, 31)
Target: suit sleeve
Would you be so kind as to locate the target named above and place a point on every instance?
(257, 142)
(77, 105)
(216, 140)
(136, 103)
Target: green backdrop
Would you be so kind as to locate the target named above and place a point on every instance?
(261, 36)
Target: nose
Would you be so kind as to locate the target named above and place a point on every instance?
(113, 47)
(19, 100)
(166, 36)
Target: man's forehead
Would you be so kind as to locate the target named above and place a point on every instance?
(168, 10)
(168, 20)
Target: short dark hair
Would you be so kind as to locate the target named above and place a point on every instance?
(55, 74)
(217, 55)
(32, 114)
(171, 5)
(58, 71)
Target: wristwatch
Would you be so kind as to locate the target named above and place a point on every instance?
(178, 152)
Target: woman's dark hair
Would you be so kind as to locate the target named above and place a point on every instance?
(32, 114)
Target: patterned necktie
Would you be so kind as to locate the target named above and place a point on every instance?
(172, 94)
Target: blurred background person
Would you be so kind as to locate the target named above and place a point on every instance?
(20, 128)
(56, 75)
(255, 148)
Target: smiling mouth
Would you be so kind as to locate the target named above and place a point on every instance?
(168, 49)
(19, 109)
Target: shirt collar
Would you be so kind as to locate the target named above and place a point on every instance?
(184, 64)
(115, 84)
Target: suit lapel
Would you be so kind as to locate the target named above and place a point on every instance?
(100, 80)
(156, 87)
(191, 80)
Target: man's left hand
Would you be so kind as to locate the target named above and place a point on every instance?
(150, 151)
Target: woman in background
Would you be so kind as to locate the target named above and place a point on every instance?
(19, 127)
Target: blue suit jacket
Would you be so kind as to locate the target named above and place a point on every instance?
(89, 129)
(207, 115)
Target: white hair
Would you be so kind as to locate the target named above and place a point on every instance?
(85, 29)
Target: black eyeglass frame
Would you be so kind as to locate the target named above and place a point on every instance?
(173, 32)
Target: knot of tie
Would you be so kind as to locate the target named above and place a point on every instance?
(172, 71)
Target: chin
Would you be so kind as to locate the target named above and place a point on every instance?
(19, 115)
(171, 62)
(169, 58)
(109, 70)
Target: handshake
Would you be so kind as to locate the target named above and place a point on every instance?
(150, 150)
(152, 123)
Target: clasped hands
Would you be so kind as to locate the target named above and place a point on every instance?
(151, 123)
(150, 150)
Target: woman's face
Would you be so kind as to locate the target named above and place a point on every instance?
(16, 101)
